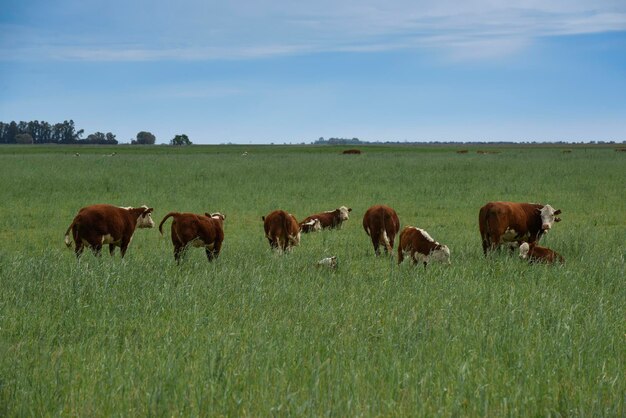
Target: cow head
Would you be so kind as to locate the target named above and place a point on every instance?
(548, 217)
(145, 219)
(523, 250)
(343, 213)
(216, 216)
(441, 253)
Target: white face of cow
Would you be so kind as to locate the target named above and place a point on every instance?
(548, 217)
(145, 220)
(441, 254)
(343, 213)
(523, 250)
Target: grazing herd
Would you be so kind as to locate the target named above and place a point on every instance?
(517, 225)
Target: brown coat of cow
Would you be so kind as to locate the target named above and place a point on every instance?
(328, 220)
(189, 229)
(537, 254)
(514, 222)
(281, 230)
(381, 223)
(97, 225)
(421, 247)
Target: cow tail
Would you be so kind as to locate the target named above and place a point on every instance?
(164, 219)
(385, 236)
(68, 241)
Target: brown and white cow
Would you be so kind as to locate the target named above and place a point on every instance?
(281, 230)
(504, 222)
(97, 225)
(421, 247)
(191, 230)
(327, 220)
(535, 253)
(381, 223)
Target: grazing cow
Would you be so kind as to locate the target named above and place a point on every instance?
(421, 247)
(535, 253)
(328, 220)
(514, 222)
(97, 225)
(381, 223)
(281, 230)
(352, 151)
(189, 229)
(312, 225)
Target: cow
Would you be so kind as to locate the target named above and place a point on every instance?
(97, 225)
(281, 230)
(328, 220)
(328, 262)
(191, 230)
(421, 247)
(352, 151)
(381, 223)
(514, 222)
(312, 225)
(535, 253)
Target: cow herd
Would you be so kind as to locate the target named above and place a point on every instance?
(517, 225)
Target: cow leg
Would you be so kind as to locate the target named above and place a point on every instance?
(111, 249)
(79, 248)
(375, 236)
(178, 253)
(124, 246)
(211, 254)
(97, 249)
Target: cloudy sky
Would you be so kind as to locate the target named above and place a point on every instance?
(284, 71)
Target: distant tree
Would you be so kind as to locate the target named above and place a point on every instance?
(180, 140)
(144, 138)
(24, 139)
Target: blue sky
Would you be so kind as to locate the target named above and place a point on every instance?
(283, 71)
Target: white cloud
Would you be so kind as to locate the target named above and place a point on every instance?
(201, 30)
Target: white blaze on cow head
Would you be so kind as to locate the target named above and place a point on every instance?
(548, 217)
(145, 219)
(216, 215)
(343, 213)
(523, 250)
(441, 254)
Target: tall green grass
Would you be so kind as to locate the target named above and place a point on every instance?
(259, 334)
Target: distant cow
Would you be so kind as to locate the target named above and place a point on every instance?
(312, 225)
(501, 222)
(352, 151)
(421, 247)
(534, 253)
(189, 229)
(381, 223)
(281, 230)
(328, 220)
(97, 225)
(328, 262)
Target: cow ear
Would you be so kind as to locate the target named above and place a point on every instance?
(557, 212)
(148, 210)
(349, 209)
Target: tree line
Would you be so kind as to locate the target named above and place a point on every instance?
(41, 132)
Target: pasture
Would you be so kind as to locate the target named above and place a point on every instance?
(259, 334)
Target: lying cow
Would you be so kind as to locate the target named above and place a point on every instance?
(328, 220)
(381, 223)
(421, 247)
(535, 253)
(281, 230)
(189, 229)
(503, 222)
(97, 225)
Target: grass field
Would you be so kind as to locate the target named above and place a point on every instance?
(258, 334)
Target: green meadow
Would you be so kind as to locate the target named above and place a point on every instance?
(260, 334)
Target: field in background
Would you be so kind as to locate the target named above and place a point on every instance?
(260, 334)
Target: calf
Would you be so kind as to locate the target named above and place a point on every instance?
(535, 253)
(381, 223)
(281, 230)
(328, 220)
(312, 225)
(97, 225)
(189, 229)
(514, 222)
(421, 247)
